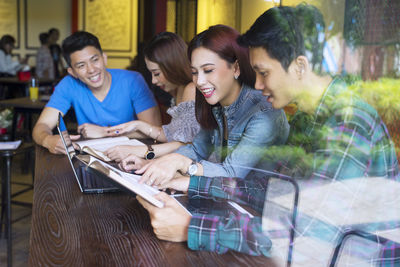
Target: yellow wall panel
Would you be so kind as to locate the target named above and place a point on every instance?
(115, 23)
(212, 12)
(9, 19)
(171, 16)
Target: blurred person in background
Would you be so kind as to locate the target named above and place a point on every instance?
(8, 66)
(44, 61)
(56, 52)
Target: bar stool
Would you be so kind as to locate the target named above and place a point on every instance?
(6, 160)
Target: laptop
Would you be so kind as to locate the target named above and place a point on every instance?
(89, 181)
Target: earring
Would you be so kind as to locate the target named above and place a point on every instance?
(236, 76)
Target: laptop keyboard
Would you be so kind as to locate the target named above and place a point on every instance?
(92, 181)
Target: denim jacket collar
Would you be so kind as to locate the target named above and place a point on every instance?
(235, 106)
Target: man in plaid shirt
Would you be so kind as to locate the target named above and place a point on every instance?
(342, 134)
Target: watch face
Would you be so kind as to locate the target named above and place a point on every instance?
(150, 155)
(192, 169)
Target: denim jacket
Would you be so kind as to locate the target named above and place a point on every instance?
(252, 124)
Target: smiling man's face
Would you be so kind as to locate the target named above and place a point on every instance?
(89, 66)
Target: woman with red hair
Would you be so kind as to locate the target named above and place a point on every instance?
(237, 124)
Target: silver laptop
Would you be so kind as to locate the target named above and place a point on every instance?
(89, 180)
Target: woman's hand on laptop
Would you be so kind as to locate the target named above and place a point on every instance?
(132, 162)
(118, 153)
(161, 170)
(88, 130)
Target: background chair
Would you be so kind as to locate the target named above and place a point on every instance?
(278, 217)
(358, 248)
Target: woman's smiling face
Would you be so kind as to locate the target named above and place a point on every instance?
(215, 77)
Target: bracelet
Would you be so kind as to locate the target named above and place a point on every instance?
(158, 135)
(150, 131)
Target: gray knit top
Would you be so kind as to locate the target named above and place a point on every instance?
(183, 126)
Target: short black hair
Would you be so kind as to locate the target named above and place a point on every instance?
(44, 37)
(78, 41)
(6, 39)
(277, 30)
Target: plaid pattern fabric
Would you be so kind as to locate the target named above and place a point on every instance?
(347, 138)
(390, 256)
(238, 232)
(247, 192)
(394, 130)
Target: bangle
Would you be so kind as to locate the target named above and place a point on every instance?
(158, 135)
(150, 131)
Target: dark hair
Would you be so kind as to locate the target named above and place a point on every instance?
(277, 30)
(6, 39)
(78, 41)
(168, 50)
(44, 37)
(221, 40)
(53, 30)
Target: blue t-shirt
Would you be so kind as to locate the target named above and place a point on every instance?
(128, 96)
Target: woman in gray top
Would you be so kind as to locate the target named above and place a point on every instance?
(167, 61)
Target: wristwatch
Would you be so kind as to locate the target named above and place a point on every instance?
(192, 168)
(149, 153)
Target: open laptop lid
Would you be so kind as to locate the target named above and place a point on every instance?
(69, 148)
(89, 181)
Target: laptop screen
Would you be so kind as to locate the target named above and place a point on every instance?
(69, 148)
(89, 180)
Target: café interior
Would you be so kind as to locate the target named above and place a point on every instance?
(47, 220)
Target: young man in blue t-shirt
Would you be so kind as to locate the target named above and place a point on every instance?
(100, 97)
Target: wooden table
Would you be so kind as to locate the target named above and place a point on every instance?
(74, 229)
(23, 105)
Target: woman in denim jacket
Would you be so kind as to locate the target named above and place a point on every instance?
(237, 124)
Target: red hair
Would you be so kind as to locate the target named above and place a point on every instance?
(221, 40)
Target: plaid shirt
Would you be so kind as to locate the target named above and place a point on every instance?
(237, 232)
(390, 254)
(347, 139)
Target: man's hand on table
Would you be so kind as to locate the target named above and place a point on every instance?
(170, 222)
(54, 144)
(179, 183)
